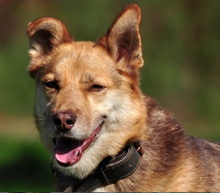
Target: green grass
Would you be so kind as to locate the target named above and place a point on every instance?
(24, 166)
(24, 161)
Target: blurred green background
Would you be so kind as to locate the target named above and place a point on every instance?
(181, 49)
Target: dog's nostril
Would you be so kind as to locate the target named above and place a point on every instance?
(70, 119)
(57, 121)
(70, 122)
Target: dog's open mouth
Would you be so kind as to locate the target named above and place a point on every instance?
(69, 151)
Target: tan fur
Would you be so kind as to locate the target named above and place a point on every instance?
(172, 160)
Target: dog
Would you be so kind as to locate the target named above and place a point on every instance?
(102, 132)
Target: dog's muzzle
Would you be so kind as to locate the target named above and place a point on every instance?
(69, 151)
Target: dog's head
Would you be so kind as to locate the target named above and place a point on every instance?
(88, 102)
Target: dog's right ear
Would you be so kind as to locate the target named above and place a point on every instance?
(123, 41)
(45, 34)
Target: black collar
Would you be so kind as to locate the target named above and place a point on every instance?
(110, 170)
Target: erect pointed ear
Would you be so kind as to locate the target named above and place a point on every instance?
(123, 40)
(45, 34)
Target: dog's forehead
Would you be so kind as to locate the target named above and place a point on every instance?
(81, 55)
(82, 62)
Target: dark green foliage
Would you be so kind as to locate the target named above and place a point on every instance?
(24, 166)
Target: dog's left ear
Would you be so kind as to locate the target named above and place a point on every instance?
(45, 34)
(123, 40)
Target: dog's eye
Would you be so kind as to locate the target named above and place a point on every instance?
(52, 84)
(96, 87)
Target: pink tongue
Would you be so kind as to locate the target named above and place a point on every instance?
(67, 150)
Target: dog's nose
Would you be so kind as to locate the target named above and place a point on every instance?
(64, 121)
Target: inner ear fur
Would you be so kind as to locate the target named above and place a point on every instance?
(45, 34)
(123, 40)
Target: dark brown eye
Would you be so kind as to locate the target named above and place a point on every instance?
(96, 87)
(52, 84)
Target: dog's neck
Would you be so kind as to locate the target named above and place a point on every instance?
(109, 171)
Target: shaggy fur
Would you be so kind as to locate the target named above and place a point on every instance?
(98, 84)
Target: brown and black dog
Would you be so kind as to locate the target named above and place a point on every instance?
(89, 110)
